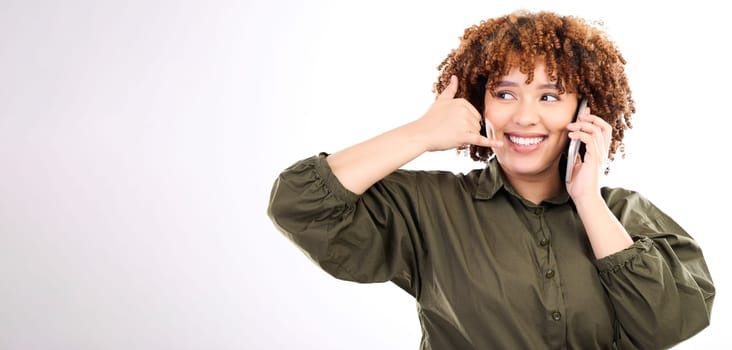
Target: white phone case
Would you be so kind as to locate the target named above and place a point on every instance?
(574, 145)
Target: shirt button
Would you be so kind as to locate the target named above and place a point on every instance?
(549, 273)
(538, 211)
(556, 315)
(543, 242)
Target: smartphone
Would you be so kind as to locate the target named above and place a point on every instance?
(575, 146)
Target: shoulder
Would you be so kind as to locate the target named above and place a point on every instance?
(620, 199)
(436, 180)
(615, 193)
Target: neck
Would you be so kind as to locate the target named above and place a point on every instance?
(538, 187)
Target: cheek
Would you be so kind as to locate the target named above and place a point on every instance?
(563, 122)
(498, 119)
(558, 125)
(558, 121)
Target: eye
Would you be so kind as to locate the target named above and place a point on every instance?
(549, 98)
(504, 95)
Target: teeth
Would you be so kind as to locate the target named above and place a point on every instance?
(525, 141)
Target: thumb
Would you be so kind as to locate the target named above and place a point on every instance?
(450, 90)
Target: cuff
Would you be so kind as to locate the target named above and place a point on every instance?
(331, 181)
(616, 261)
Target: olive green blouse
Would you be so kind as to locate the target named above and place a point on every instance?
(491, 270)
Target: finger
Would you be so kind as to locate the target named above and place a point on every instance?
(471, 129)
(590, 123)
(472, 111)
(591, 118)
(585, 127)
(594, 144)
(607, 129)
(604, 126)
(599, 122)
(480, 140)
(587, 133)
(450, 90)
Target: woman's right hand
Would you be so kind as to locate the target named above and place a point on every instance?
(451, 123)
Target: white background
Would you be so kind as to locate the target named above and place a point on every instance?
(139, 141)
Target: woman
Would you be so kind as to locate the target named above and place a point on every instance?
(511, 256)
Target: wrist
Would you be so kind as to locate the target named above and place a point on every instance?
(416, 134)
(589, 202)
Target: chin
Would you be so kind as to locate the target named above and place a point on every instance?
(527, 167)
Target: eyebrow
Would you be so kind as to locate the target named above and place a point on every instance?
(509, 83)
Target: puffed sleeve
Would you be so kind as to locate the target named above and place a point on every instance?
(366, 238)
(660, 287)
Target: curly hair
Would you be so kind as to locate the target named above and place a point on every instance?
(578, 56)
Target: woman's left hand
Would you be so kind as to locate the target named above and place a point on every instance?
(596, 134)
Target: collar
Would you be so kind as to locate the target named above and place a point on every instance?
(492, 180)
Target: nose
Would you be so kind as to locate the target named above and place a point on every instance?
(526, 114)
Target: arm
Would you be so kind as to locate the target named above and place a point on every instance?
(605, 233)
(354, 213)
(653, 272)
(449, 123)
(660, 286)
(366, 238)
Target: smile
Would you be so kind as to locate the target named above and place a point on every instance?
(526, 141)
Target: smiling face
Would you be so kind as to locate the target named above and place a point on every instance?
(531, 119)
